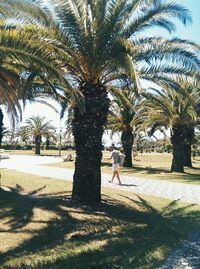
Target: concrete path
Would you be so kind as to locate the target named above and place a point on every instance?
(186, 257)
(173, 191)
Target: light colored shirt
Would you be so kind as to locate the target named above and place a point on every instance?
(115, 157)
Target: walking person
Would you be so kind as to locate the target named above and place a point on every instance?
(115, 157)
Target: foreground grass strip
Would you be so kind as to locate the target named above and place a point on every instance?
(45, 230)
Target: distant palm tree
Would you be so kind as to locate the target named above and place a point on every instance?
(96, 44)
(37, 127)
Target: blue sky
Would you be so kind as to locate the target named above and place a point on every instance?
(191, 32)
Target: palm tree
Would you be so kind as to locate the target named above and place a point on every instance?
(21, 71)
(36, 127)
(9, 92)
(122, 112)
(97, 44)
(172, 110)
(194, 92)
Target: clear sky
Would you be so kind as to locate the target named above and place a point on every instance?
(192, 33)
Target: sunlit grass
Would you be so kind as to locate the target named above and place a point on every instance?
(43, 152)
(48, 232)
(149, 166)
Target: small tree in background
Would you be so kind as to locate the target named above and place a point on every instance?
(37, 127)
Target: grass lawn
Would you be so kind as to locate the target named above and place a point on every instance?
(152, 166)
(47, 231)
(42, 152)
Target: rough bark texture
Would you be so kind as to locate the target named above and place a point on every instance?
(127, 144)
(178, 136)
(47, 144)
(1, 126)
(188, 146)
(37, 144)
(88, 128)
(187, 155)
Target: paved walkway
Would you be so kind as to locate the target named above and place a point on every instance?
(171, 190)
(187, 257)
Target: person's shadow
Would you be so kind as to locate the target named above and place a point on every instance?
(127, 185)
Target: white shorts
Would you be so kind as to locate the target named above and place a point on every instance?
(115, 166)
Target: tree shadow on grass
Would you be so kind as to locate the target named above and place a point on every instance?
(191, 175)
(164, 173)
(115, 234)
(186, 177)
(140, 169)
(146, 170)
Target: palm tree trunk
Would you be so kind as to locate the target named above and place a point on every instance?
(187, 155)
(1, 126)
(37, 144)
(47, 144)
(188, 146)
(127, 144)
(177, 139)
(88, 128)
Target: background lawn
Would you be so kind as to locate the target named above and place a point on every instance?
(147, 165)
(47, 231)
(42, 152)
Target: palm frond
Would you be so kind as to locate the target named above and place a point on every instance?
(157, 13)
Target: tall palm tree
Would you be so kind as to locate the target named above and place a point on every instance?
(97, 43)
(37, 128)
(172, 110)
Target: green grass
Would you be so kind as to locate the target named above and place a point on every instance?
(42, 152)
(149, 166)
(49, 232)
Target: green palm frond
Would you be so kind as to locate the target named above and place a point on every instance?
(37, 125)
(174, 51)
(95, 41)
(157, 13)
(166, 109)
(122, 110)
(29, 11)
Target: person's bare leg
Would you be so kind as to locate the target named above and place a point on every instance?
(113, 176)
(117, 174)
